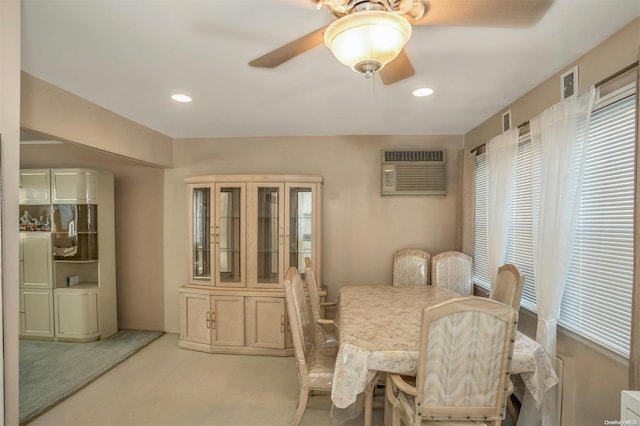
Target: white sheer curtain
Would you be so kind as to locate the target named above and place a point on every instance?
(559, 139)
(501, 154)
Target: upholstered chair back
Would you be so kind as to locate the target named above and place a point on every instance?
(411, 267)
(465, 357)
(314, 299)
(303, 331)
(453, 270)
(508, 286)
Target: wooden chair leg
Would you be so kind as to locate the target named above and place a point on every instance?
(395, 417)
(368, 405)
(513, 413)
(302, 405)
(391, 410)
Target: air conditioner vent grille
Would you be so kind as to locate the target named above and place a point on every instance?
(414, 173)
(397, 156)
(419, 178)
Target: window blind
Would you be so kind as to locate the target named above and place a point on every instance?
(597, 299)
(520, 240)
(480, 248)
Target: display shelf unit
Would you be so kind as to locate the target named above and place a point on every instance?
(245, 231)
(71, 258)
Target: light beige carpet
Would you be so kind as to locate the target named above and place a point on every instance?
(164, 385)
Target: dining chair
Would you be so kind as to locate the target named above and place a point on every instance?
(508, 290)
(453, 270)
(508, 286)
(411, 267)
(326, 330)
(315, 363)
(466, 345)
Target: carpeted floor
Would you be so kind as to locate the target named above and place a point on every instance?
(52, 371)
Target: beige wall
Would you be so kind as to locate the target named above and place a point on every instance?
(601, 375)
(615, 53)
(361, 229)
(49, 110)
(9, 155)
(138, 221)
(98, 138)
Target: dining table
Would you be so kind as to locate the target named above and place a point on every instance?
(379, 331)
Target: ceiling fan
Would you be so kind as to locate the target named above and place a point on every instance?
(386, 26)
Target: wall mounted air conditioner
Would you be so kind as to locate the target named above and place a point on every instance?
(413, 173)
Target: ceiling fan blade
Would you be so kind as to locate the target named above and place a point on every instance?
(290, 50)
(398, 69)
(485, 13)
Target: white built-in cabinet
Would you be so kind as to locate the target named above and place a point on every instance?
(67, 254)
(36, 307)
(36, 293)
(245, 231)
(35, 187)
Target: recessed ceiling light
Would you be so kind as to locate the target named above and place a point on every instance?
(181, 98)
(423, 91)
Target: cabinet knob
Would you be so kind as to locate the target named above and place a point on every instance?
(282, 324)
(213, 320)
(208, 319)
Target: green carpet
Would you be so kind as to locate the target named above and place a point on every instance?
(52, 371)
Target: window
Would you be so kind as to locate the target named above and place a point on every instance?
(597, 299)
(519, 244)
(480, 244)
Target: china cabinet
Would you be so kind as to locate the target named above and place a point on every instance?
(67, 253)
(245, 231)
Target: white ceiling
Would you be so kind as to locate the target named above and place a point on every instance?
(129, 56)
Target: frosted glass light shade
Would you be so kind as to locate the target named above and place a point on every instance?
(367, 41)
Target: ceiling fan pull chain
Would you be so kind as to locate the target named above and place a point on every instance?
(371, 85)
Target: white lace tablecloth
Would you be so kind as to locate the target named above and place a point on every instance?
(379, 330)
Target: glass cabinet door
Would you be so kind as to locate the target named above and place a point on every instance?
(201, 209)
(229, 233)
(269, 211)
(300, 209)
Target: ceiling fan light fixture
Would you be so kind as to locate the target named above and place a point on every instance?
(366, 41)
